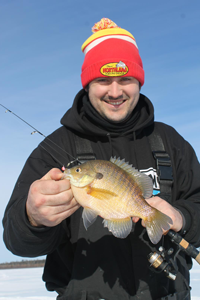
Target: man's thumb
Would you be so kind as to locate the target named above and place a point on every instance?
(53, 174)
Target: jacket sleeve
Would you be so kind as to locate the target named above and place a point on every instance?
(19, 236)
(186, 186)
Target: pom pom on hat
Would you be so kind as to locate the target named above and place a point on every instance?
(111, 51)
(105, 23)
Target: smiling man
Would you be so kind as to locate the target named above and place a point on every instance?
(113, 70)
(43, 217)
(114, 97)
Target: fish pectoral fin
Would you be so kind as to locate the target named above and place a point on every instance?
(156, 225)
(89, 216)
(100, 194)
(120, 228)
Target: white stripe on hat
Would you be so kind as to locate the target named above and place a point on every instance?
(103, 38)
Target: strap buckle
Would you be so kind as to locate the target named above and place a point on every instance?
(164, 165)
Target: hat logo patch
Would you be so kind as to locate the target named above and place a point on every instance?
(114, 69)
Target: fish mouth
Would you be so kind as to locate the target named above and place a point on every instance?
(66, 174)
(71, 179)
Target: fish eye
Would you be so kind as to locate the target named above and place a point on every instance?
(78, 170)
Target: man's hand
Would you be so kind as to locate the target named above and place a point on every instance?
(168, 210)
(50, 200)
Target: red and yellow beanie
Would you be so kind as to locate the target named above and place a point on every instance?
(110, 51)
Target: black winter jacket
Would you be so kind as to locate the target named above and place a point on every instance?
(93, 264)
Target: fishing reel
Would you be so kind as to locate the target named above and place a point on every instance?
(161, 261)
(165, 260)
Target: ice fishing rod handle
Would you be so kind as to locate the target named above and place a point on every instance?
(184, 245)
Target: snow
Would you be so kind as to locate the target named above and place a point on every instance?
(24, 284)
(27, 284)
(195, 281)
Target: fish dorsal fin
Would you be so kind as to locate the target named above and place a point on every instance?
(144, 181)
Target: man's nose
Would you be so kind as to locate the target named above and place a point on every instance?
(115, 90)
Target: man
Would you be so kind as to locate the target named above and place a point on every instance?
(43, 218)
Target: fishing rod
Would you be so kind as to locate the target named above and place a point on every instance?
(163, 261)
(48, 139)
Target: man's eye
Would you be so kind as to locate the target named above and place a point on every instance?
(102, 80)
(125, 78)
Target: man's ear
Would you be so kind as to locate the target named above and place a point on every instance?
(87, 88)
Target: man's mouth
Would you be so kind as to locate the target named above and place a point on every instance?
(115, 103)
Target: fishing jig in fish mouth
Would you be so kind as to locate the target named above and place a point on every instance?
(74, 161)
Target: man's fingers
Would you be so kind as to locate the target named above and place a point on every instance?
(56, 219)
(53, 174)
(47, 186)
(65, 199)
(50, 200)
(56, 210)
(135, 219)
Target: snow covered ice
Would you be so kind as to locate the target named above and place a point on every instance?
(27, 284)
(24, 284)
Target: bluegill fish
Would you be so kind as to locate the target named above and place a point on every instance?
(116, 191)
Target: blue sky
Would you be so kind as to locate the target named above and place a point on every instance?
(40, 65)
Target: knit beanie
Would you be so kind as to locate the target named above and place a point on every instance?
(110, 52)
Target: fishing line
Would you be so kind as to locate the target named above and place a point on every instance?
(37, 131)
(55, 158)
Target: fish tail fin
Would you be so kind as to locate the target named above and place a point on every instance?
(156, 224)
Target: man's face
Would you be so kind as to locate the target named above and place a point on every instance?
(114, 97)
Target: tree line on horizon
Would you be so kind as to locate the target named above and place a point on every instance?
(23, 264)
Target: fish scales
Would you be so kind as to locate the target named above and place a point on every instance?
(115, 191)
(114, 183)
(121, 184)
(129, 190)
